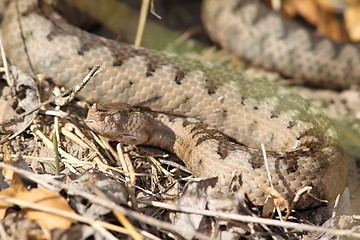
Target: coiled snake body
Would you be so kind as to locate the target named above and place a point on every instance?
(301, 142)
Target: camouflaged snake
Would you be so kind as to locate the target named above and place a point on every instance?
(301, 142)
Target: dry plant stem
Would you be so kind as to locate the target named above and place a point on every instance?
(142, 20)
(126, 165)
(103, 144)
(148, 235)
(79, 137)
(125, 222)
(305, 190)
(49, 144)
(56, 152)
(49, 183)
(130, 178)
(71, 159)
(266, 165)
(74, 90)
(154, 178)
(276, 4)
(56, 140)
(5, 63)
(122, 219)
(175, 165)
(109, 151)
(100, 160)
(155, 168)
(152, 9)
(5, 139)
(336, 205)
(271, 184)
(48, 159)
(56, 113)
(75, 138)
(56, 124)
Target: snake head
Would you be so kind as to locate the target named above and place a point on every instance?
(118, 122)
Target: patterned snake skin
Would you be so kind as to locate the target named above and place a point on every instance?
(266, 39)
(302, 143)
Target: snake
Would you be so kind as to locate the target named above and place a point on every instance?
(267, 39)
(225, 114)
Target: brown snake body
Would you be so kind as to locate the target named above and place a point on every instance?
(266, 39)
(301, 142)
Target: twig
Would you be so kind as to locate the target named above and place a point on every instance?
(74, 90)
(250, 219)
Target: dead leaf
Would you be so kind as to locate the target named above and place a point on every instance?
(322, 14)
(8, 113)
(46, 198)
(274, 200)
(195, 194)
(203, 194)
(308, 9)
(327, 5)
(9, 192)
(329, 26)
(352, 21)
(8, 174)
(25, 85)
(288, 9)
(16, 187)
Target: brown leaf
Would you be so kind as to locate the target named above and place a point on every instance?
(329, 26)
(274, 200)
(327, 5)
(46, 198)
(9, 192)
(322, 14)
(288, 8)
(352, 21)
(16, 186)
(308, 9)
(16, 183)
(8, 174)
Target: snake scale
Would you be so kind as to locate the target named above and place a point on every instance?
(301, 143)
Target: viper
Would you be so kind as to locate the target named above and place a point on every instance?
(301, 143)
